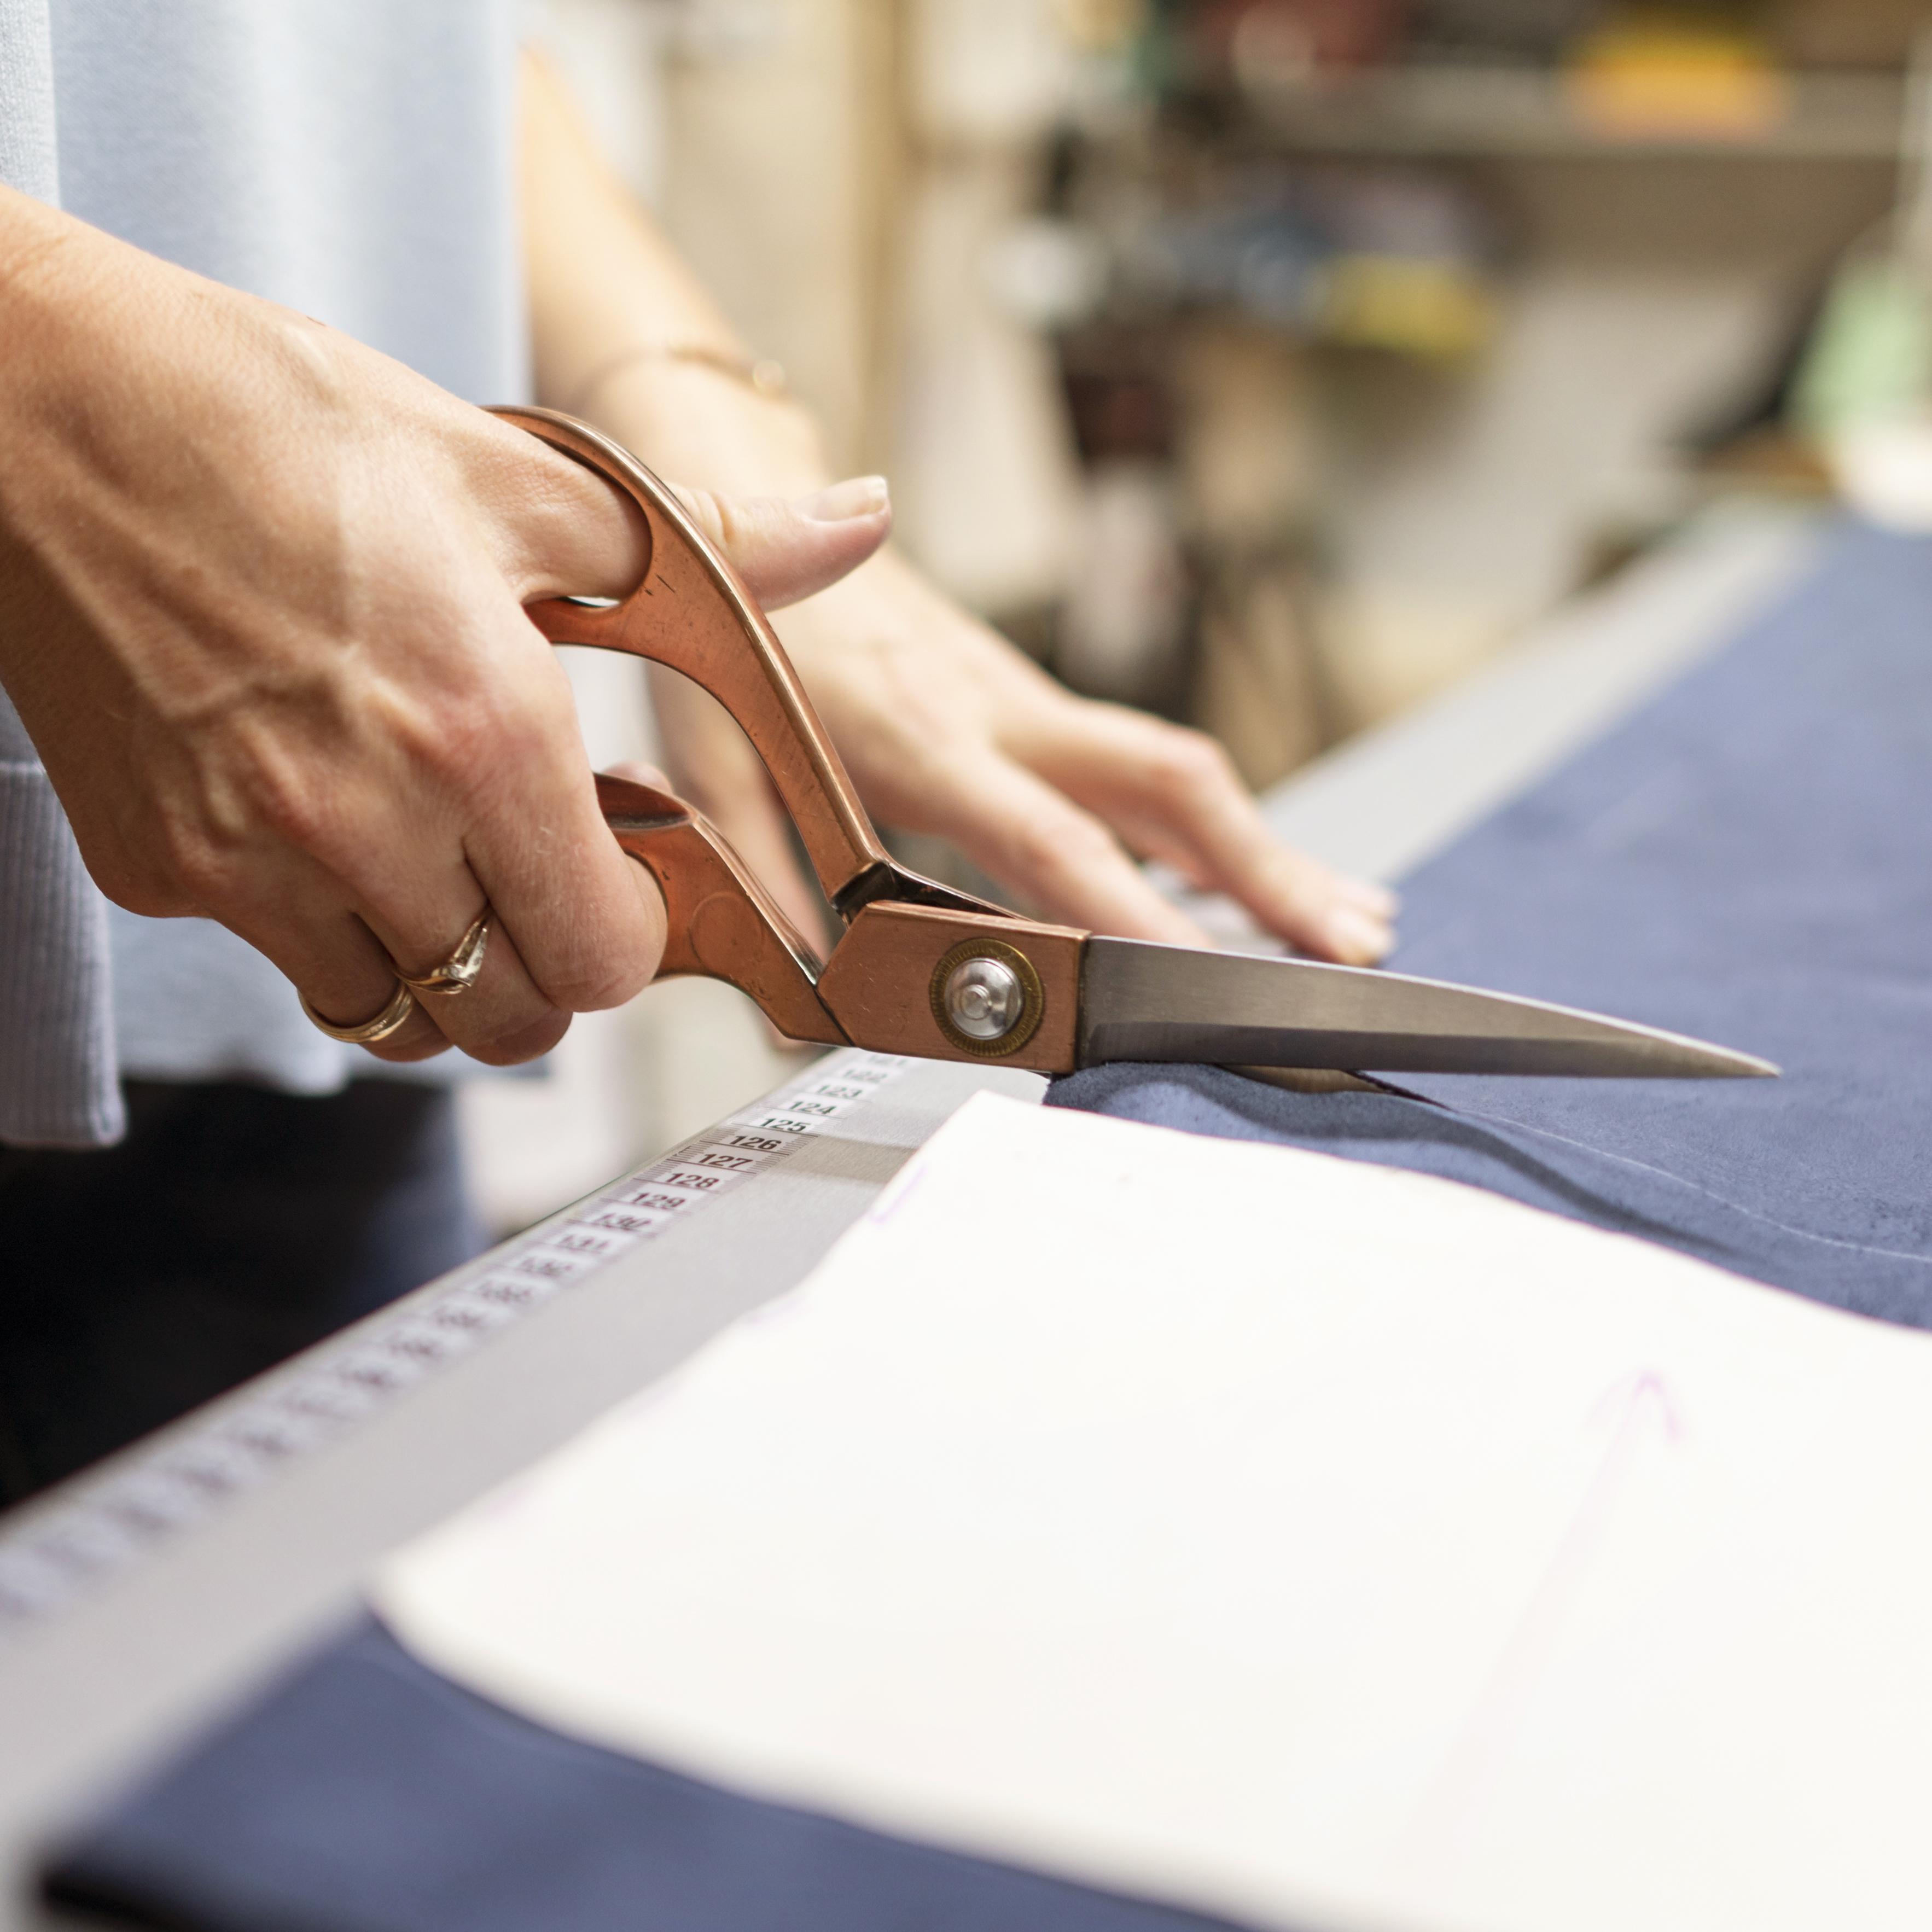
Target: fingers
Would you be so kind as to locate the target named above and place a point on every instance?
(345, 960)
(503, 1018)
(1174, 795)
(785, 551)
(638, 772)
(753, 824)
(554, 526)
(557, 528)
(496, 804)
(340, 968)
(1062, 860)
(347, 968)
(937, 718)
(714, 765)
(585, 924)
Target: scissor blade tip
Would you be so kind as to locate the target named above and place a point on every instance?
(1702, 1061)
(1140, 1001)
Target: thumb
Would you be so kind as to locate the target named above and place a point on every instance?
(785, 551)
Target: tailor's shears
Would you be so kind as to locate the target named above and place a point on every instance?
(921, 969)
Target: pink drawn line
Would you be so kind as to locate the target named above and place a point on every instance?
(1639, 1402)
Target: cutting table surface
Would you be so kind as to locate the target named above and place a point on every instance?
(165, 1635)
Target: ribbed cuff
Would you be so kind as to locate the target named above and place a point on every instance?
(58, 1078)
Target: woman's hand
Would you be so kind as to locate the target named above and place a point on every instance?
(261, 595)
(944, 726)
(947, 728)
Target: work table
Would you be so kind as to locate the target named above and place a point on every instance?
(164, 1623)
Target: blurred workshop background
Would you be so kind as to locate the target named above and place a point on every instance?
(1269, 363)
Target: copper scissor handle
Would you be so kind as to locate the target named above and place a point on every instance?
(692, 612)
(722, 924)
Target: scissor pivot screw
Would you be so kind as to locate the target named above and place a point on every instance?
(987, 997)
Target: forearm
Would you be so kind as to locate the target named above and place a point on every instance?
(604, 283)
(61, 316)
(944, 727)
(31, 236)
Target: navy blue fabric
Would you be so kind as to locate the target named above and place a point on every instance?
(368, 1794)
(1748, 859)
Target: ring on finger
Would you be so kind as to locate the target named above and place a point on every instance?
(394, 1017)
(462, 969)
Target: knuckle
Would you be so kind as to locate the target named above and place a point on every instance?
(406, 1047)
(1188, 767)
(609, 958)
(499, 725)
(314, 357)
(594, 985)
(518, 1041)
(467, 681)
(201, 866)
(1075, 844)
(289, 802)
(255, 798)
(714, 515)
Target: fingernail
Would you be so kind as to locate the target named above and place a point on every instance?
(1357, 935)
(1376, 900)
(856, 497)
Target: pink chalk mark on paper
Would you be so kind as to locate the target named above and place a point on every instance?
(1639, 1407)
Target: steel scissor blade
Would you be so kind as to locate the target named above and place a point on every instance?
(1140, 1001)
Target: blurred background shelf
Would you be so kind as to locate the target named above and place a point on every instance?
(1454, 110)
(1273, 364)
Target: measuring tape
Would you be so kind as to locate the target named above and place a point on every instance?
(111, 1524)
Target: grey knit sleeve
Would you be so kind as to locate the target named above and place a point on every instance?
(57, 1086)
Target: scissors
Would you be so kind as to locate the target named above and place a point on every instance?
(921, 970)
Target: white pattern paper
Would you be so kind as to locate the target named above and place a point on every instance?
(1289, 1538)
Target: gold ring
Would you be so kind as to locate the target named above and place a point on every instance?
(462, 969)
(392, 1018)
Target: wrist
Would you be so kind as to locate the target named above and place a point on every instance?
(41, 305)
(760, 373)
(45, 300)
(699, 424)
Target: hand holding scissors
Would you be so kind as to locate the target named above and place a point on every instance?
(921, 969)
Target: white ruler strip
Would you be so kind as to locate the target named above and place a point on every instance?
(111, 1524)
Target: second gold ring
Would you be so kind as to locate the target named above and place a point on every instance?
(462, 969)
(394, 1017)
